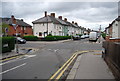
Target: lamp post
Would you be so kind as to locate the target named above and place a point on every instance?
(15, 27)
(99, 33)
(47, 25)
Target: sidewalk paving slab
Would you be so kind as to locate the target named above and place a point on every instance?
(90, 66)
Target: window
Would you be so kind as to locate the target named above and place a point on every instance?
(24, 28)
(21, 28)
(40, 33)
(60, 27)
(26, 33)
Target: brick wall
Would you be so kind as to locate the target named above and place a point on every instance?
(20, 30)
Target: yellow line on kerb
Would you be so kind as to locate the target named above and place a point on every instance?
(69, 61)
(61, 67)
(58, 77)
(11, 58)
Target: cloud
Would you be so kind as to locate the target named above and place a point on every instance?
(88, 13)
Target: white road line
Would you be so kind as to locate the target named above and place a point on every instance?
(17, 59)
(13, 68)
(9, 61)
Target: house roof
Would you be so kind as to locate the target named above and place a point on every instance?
(46, 20)
(118, 19)
(70, 24)
(62, 22)
(75, 25)
(18, 22)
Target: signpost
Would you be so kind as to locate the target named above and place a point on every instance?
(15, 27)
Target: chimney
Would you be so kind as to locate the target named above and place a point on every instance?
(60, 17)
(72, 22)
(21, 19)
(65, 19)
(53, 14)
(76, 23)
(13, 19)
(45, 13)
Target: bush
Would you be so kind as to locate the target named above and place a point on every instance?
(103, 35)
(8, 44)
(49, 35)
(30, 38)
(55, 38)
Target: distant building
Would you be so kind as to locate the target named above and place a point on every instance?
(22, 28)
(49, 24)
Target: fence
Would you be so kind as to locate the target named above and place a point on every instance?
(112, 57)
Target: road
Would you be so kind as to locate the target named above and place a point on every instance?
(44, 62)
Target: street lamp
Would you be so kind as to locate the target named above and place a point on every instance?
(15, 27)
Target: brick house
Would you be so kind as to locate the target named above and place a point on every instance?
(22, 28)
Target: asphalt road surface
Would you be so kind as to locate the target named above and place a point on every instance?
(43, 63)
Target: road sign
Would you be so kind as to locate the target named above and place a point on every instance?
(15, 26)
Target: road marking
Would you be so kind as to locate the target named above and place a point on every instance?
(61, 67)
(13, 68)
(97, 54)
(9, 61)
(27, 56)
(58, 77)
(12, 58)
(60, 71)
(65, 64)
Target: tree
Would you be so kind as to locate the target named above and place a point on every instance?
(4, 27)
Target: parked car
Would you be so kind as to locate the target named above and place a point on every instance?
(83, 37)
(19, 40)
(76, 37)
(86, 36)
(93, 36)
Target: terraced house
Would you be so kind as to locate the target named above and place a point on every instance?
(49, 24)
(21, 28)
(113, 29)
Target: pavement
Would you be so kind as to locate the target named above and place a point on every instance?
(48, 42)
(90, 66)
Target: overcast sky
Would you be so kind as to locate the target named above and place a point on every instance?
(86, 14)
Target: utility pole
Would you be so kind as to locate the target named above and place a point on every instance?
(47, 25)
(99, 33)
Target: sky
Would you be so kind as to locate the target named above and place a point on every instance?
(86, 14)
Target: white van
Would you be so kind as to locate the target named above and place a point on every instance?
(93, 36)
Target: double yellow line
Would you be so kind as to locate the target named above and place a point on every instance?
(57, 75)
(6, 59)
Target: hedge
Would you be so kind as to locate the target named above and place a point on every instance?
(55, 38)
(30, 38)
(8, 44)
(103, 35)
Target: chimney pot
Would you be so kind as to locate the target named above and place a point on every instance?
(60, 17)
(65, 19)
(45, 13)
(73, 22)
(21, 19)
(53, 14)
(76, 23)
